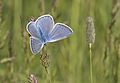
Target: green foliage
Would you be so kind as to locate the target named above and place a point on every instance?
(69, 58)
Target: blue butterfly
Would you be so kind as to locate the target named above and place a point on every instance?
(43, 31)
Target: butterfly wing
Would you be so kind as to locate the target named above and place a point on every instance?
(36, 45)
(33, 30)
(45, 23)
(60, 31)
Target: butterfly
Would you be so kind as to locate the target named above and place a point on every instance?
(44, 30)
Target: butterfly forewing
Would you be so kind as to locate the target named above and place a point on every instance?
(33, 30)
(45, 23)
(59, 32)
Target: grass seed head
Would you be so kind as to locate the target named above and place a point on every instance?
(90, 31)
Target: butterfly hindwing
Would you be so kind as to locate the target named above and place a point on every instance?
(60, 31)
(36, 45)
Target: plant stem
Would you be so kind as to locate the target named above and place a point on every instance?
(90, 51)
(45, 63)
(48, 76)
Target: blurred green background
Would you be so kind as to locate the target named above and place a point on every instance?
(69, 58)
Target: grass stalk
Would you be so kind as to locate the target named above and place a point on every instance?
(45, 63)
(48, 75)
(91, 70)
(90, 36)
(1, 7)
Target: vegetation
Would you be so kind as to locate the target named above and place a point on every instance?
(69, 58)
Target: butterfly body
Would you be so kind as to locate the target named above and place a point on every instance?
(44, 37)
(43, 31)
